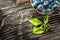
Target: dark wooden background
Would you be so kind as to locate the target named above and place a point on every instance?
(15, 26)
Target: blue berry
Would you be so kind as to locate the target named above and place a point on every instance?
(35, 4)
(44, 10)
(49, 10)
(41, 1)
(56, 2)
(49, 6)
(35, 0)
(55, 6)
(50, 0)
(46, 3)
(40, 7)
(52, 3)
(52, 8)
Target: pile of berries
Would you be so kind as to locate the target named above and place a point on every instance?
(45, 6)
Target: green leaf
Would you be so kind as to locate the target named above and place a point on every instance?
(35, 21)
(38, 30)
(46, 19)
(47, 27)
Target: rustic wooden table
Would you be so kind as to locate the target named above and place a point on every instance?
(15, 26)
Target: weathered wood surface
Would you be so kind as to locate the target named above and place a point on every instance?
(16, 16)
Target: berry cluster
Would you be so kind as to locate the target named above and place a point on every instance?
(45, 6)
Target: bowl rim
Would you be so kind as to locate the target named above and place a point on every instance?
(40, 11)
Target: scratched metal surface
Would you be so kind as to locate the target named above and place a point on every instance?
(15, 26)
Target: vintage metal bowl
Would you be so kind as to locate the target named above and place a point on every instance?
(43, 12)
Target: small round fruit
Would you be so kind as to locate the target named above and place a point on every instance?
(55, 6)
(35, 4)
(41, 1)
(50, 0)
(49, 6)
(48, 10)
(34, 0)
(44, 10)
(56, 2)
(46, 3)
(52, 8)
(52, 3)
(40, 7)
